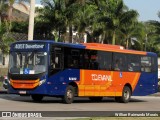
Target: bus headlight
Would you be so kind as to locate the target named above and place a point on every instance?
(42, 81)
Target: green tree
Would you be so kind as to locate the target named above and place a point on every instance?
(5, 39)
(3, 10)
(19, 27)
(156, 24)
(115, 11)
(144, 37)
(116, 17)
(127, 25)
(152, 35)
(50, 18)
(85, 19)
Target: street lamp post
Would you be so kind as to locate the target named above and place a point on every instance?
(31, 20)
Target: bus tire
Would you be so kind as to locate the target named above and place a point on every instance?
(69, 95)
(126, 95)
(96, 99)
(37, 98)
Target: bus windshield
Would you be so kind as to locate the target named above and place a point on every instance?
(28, 62)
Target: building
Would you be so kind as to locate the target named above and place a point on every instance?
(19, 13)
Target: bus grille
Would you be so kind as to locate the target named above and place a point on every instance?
(24, 84)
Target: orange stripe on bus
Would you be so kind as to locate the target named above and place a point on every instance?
(88, 93)
(81, 82)
(97, 82)
(136, 78)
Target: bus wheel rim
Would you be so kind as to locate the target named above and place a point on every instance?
(69, 94)
(126, 95)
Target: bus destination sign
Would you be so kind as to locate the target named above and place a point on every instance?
(29, 46)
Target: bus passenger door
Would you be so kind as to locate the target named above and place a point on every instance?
(56, 61)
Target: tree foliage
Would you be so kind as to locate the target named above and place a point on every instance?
(103, 21)
(5, 39)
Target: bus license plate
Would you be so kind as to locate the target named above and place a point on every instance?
(22, 92)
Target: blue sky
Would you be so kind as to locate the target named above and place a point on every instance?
(147, 9)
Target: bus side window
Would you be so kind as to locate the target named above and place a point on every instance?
(130, 67)
(133, 62)
(146, 64)
(55, 61)
(51, 60)
(58, 61)
(154, 65)
(74, 63)
(119, 64)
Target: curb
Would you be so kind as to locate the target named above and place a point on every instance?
(156, 94)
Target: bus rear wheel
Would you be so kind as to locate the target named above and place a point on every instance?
(69, 95)
(37, 98)
(126, 95)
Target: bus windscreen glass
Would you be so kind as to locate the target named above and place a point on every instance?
(28, 62)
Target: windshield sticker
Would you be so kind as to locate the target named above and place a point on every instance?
(32, 72)
(26, 71)
(21, 71)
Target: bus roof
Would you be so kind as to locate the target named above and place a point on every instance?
(93, 46)
(113, 48)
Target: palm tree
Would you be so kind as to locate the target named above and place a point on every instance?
(110, 12)
(5, 39)
(115, 12)
(70, 9)
(154, 42)
(144, 37)
(152, 35)
(85, 19)
(51, 17)
(127, 25)
(3, 10)
(156, 24)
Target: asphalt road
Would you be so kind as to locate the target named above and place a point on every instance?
(23, 103)
(52, 107)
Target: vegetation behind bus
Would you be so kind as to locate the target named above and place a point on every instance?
(93, 18)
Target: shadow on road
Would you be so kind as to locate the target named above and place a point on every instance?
(52, 100)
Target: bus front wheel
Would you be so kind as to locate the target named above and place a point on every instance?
(37, 98)
(126, 95)
(69, 95)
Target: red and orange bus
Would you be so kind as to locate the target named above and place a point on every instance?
(48, 68)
